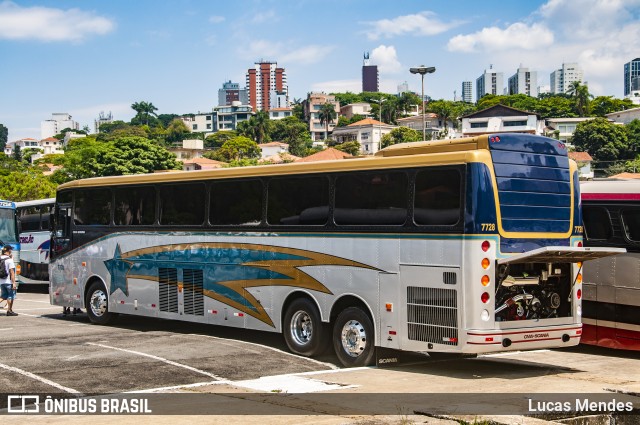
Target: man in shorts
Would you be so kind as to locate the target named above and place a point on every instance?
(8, 284)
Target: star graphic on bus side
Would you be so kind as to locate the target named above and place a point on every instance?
(118, 268)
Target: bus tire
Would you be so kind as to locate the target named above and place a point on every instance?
(353, 338)
(97, 304)
(303, 329)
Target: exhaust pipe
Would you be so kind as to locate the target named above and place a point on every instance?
(565, 338)
(506, 342)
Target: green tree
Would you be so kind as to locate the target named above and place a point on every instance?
(261, 124)
(633, 136)
(352, 148)
(4, 134)
(327, 115)
(218, 138)
(177, 131)
(292, 131)
(603, 140)
(347, 98)
(165, 119)
(580, 94)
(17, 153)
(400, 135)
(26, 185)
(602, 105)
(444, 110)
(28, 153)
(61, 135)
(556, 107)
(246, 129)
(144, 111)
(406, 103)
(235, 149)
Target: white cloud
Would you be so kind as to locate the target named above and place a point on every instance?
(515, 36)
(337, 86)
(49, 24)
(419, 24)
(386, 58)
(284, 52)
(261, 17)
(216, 19)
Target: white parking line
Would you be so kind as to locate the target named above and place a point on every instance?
(513, 353)
(161, 359)
(37, 308)
(40, 378)
(329, 365)
(176, 387)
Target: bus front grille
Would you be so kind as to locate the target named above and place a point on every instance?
(432, 315)
(193, 286)
(168, 289)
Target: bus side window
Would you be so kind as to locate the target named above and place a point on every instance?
(631, 223)
(597, 223)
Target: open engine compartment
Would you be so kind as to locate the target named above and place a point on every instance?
(532, 291)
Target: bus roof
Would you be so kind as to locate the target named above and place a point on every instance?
(457, 151)
(610, 190)
(35, 202)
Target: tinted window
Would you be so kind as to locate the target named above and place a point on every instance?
(92, 207)
(371, 198)
(64, 197)
(631, 223)
(437, 199)
(29, 219)
(236, 203)
(182, 204)
(135, 206)
(298, 201)
(45, 216)
(597, 224)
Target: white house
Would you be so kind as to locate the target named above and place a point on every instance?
(199, 123)
(188, 149)
(624, 117)
(360, 108)
(501, 119)
(273, 148)
(564, 126)
(58, 122)
(434, 127)
(280, 113)
(368, 132)
(51, 145)
(27, 142)
(583, 159)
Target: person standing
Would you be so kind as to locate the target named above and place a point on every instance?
(8, 284)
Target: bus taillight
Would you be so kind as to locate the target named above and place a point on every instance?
(18, 268)
(485, 246)
(485, 263)
(484, 280)
(579, 278)
(485, 297)
(579, 293)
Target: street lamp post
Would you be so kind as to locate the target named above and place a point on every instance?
(379, 101)
(423, 70)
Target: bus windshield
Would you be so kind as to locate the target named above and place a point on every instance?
(7, 226)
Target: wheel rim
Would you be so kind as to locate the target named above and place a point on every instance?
(98, 303)
(301, 327)
(354, 338)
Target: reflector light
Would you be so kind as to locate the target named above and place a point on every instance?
(579, 278)
(578, 332)
(489, 339)
(84, 264)
(579, 264)
(497, 139)
(484, 297)
(153, 306)
(485, 263)
(389, 306)
(485, 280)
(238, 314)
(579, 293)
(579, 244)
(18, 268)
(75, 280)
(485, 246)
(122, 302)
(392, 332)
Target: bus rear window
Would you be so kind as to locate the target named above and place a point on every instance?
(597, 223)
(378, 198)
(437, 201)
(631, 223)
(30, 219)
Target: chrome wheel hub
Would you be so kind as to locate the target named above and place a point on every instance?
(354, 338)
(98, 303)
(301, 327)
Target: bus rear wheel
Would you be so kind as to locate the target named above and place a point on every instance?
(353, 339)
(303, 329)
(97, 304)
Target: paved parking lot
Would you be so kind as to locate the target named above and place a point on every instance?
(44, 352)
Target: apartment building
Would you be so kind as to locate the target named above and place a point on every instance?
(311, 106)
(562, 78)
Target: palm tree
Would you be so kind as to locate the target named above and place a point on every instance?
(580, 93)
(327, 115)
(261, 125)
(444, 110)
(144, 110)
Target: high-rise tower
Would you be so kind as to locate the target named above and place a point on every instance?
(369, 75)
(265, 81)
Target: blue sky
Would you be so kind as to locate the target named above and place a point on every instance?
(83, 57)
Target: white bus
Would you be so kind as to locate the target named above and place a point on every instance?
(457, 246)
(33, 219)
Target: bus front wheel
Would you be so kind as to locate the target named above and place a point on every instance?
(97, 304)
(303, 329)
(353, 339)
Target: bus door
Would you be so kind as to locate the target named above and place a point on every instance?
(61, 291)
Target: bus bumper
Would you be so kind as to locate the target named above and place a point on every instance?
(483, 341)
